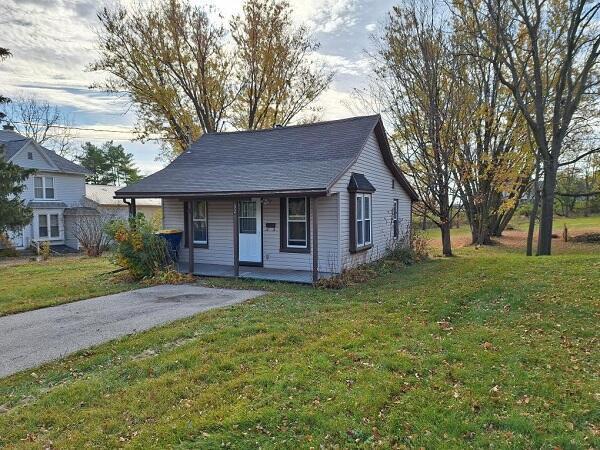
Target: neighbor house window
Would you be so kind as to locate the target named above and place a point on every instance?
(295, 227)
(48, 226)
(43, 226)
(395, 218)
(29, 155)
(43, 187)
(200, 220)
(363, 220)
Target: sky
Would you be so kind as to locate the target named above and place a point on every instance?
(53, 41)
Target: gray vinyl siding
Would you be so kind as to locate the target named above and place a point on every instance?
(220, 231)
(68, 188)
(370, 163)
(38, 161)
(220, 235)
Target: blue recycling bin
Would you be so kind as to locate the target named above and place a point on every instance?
(173, 238)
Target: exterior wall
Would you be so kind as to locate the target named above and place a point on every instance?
(122, 212)
(220, 235)
(38, 162)
(370, 163)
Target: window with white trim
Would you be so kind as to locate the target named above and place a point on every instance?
(200, 220)
(48, 226)
(297, 222)
(43, 187)
(363, 220)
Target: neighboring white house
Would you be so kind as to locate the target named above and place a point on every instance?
(101, 197)
(290, 203)
(54, 190)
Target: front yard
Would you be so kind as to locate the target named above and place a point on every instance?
(34, 285)
(486, 349)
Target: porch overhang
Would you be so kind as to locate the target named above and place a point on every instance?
(318, 192)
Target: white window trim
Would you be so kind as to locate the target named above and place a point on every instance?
(44, 178)
(396, 218)
(362, 221)
(305, 221)
(205, 241)
(49, 236)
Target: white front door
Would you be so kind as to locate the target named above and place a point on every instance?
(250, 230)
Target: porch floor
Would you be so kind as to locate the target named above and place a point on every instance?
(259, 273)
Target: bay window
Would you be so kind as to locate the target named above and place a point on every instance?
(361, 212)
(363, 220)
(48, 226)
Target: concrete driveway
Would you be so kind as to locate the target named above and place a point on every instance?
(31, 338)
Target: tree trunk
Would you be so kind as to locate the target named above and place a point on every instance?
(547, 212)
(446, 243)
(534, 208)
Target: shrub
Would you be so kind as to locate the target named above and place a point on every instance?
(408, 249)
(91, 232)
(7, 248)
(138, 249)
(44, 250)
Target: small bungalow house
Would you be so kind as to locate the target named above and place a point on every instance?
(289, 203)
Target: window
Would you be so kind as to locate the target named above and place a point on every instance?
(395, 218)
(248, 217)
(200, 220)
(38, 185)
(295, 225)
(361, 212)
(43, 187)
(43, 226)
(29, 155)
(48, 226)
(363, 220)
(54, 231)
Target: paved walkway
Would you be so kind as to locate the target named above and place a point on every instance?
(31, 338)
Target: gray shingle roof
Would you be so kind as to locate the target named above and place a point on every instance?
(12, 142)
(301, 158)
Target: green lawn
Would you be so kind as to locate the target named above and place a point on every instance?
(35, 285)
(486, 349)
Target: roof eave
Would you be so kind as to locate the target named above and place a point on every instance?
(316, 192)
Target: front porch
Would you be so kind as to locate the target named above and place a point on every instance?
(257, 273)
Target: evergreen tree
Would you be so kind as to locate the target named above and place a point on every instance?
(14, 214)
(109, 164)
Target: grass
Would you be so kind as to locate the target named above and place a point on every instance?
(490, 348)
(34, 285)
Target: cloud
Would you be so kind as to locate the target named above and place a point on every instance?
(371, 27)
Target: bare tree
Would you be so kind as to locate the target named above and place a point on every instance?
(546, 54)
(44, 123)
(423, 100)
(274, 70)
(171, 61)
(90, 231)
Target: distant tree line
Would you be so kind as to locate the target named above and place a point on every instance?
(108, 164)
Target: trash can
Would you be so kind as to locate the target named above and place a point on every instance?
(173, 238)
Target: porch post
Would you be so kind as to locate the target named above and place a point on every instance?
(315, 243)
(132, 211)
(190, 236)
(236, 239)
